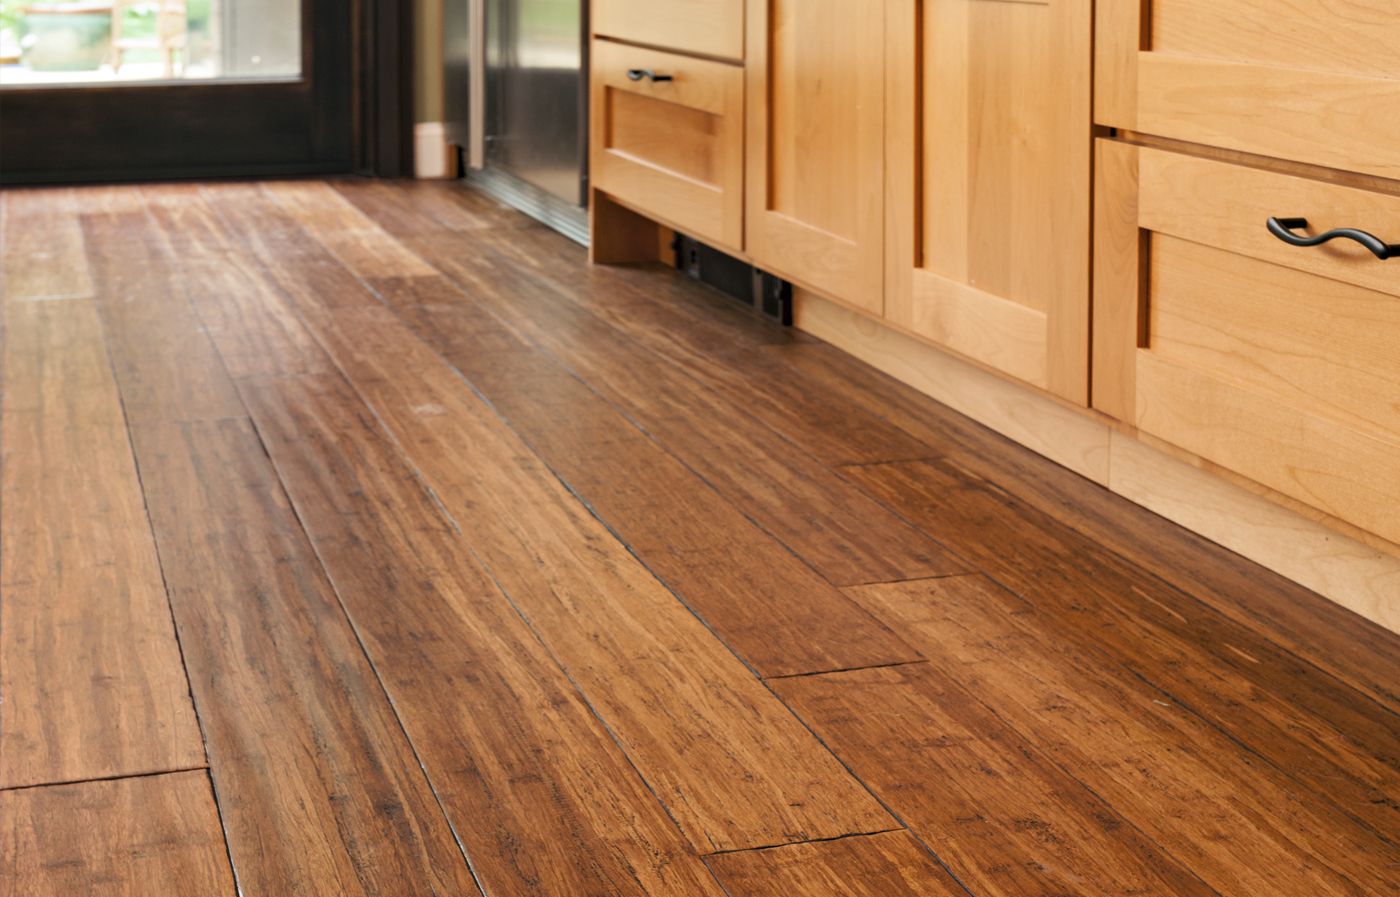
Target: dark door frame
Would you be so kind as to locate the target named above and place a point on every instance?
(351, 112)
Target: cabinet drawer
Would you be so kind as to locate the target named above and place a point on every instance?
(1279, 362)
(711, 27)
(1291, 79)
(670, 148)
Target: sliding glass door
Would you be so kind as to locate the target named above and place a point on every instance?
(117, 89)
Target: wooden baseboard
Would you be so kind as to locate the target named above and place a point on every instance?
(1063, 435)
(1359, 576)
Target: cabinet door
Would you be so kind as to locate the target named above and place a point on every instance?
(1310, 81)
(1279, 362)
(988, 180)
(815, 145)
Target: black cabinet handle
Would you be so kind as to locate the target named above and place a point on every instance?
(1283, 229)
(639, 74)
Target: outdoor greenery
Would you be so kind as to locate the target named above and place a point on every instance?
(138, 19)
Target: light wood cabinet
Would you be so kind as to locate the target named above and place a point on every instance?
(1315, 82)
(1279, 362)
(704, 27)
(667, 137)
(988, 152)
(815, 145)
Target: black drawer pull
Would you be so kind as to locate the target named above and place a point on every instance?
(639, 74)
(1283, 229)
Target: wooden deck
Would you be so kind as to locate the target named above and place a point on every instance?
(358, 538)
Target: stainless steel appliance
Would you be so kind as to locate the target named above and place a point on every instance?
(517, 102)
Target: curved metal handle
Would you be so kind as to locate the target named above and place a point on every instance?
(639, 74)
(1283, 229)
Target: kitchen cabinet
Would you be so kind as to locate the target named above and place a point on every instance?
(703, 27)
(815, 145)
(988, 152)
(1289, 79)
(668, 138)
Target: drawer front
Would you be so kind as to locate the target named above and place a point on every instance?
(711, 27)
(673, 148)
(1279, 362)
(1292, 79)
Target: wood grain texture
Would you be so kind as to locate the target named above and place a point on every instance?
(544, 801)
(1330, 741)
(707, 27)
(1302, 622)
(637, 654)
(670, 149)
(1347, 636)
(737, 578)
(1031, 418)
(141, 837)
(1163, 768)
(987, 151)
(349, 236)
(1006, 820)
(891, 864)
(319, 789)
(839, 532)
(1294, 82)
(234, 299)
(166, 365)
(90, 669)
(711, 339)
(1120, 251)
(814, 145)
(41, 253)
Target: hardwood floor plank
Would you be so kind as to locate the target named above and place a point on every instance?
(165, 363)
(739, 579)
(231, 295)
(732, 765)
(1330, 739)
(412, 207)
(993, 806)
(833, 527)
(141, 837)
(319, 789)
(660, 309)
(41, 246)
(545, 803)
(891, 864)
(1326, 635)
(355, 240)
(1239, 825)
(90, 670)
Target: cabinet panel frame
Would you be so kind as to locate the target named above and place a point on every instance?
(849, 271)
(1000, 338)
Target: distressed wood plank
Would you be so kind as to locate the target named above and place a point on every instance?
(1331, 740)
(1003, 817)
(733, 766)
(143, 837)
(891, 864)
(1241, 826)
(840, 532)
(41, 246)
(735, 576)
(90, 670)
(165, 363)
(544, 801)
(1344, 644)
(319, 789)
